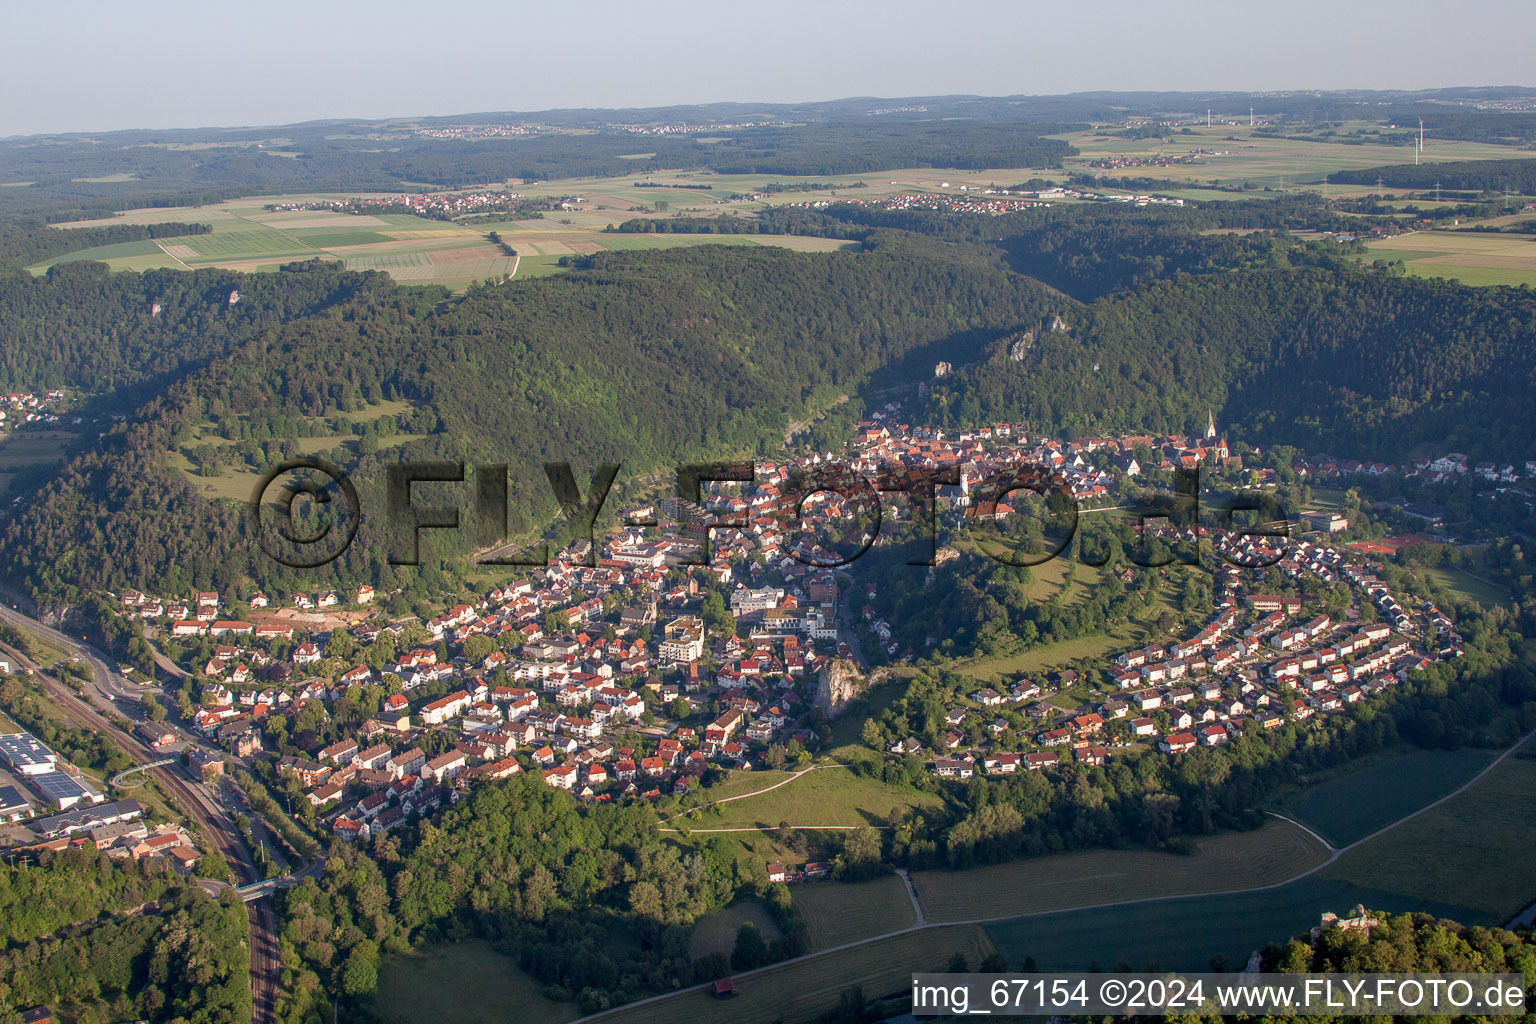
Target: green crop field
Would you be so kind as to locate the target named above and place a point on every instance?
(1350, 807)
(1234, 860)
(1472, 257)
(1184, 934)
(1477, 850)
(839, 912)
(462, 983)
(716, 932)
(800, 990)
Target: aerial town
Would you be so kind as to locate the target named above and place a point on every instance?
(614, 679)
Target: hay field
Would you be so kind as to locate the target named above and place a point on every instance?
(1233, 860)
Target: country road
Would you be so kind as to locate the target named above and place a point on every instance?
(921, 924)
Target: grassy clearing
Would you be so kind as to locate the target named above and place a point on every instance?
(1470, 588)
(1234, 860)
(33, 447)
(716, 933)
(42, 650)
(463, 983)
(840, 912)
(845, 741)
(1477, 850)
(1351, 806)
(763, 848)
(801, 990)
(830, 796)
(1185, 934)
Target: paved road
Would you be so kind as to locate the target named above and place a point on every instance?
(92, 712)
(921, 924)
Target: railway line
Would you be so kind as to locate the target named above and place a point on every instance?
(216, 825)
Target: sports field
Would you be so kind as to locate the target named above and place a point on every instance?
(839, 912)
(1471, 257)
(462, 983)
(799, 991)
(1234, 860)
(1351, 806)
(1469, 588)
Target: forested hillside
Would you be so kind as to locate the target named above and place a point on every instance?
(640, 359)
(1327, 359)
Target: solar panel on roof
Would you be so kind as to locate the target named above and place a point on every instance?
(57, 786)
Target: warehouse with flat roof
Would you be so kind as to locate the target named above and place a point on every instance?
(24, 755)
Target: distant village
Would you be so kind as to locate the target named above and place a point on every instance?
(20, 408)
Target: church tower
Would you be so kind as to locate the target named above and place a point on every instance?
(1210, 425)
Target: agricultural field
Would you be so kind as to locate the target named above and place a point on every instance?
(716, 932)
(1470, 858)
(1350, 806)
(1235, 155)
(1476, 850)
(463, 983)
(1471, 257)
(840, 912)
(800, 990)
(1185, 934)
(26, 448)
(247, 237)
(1233, 860)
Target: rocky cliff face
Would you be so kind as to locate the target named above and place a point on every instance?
(839, 683)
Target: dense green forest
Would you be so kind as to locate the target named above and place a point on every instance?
(590, 900)
(105, 940)
(317, 160)
(638, 360)
(1519, 176)
(1331, 359)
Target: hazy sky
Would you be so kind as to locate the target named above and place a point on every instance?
(68, 65)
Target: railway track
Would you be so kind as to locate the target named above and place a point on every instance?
(217, 827)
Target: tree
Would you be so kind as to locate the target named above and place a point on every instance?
(153, 709)
(477, 648)
(751, 951)
(360, 975)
